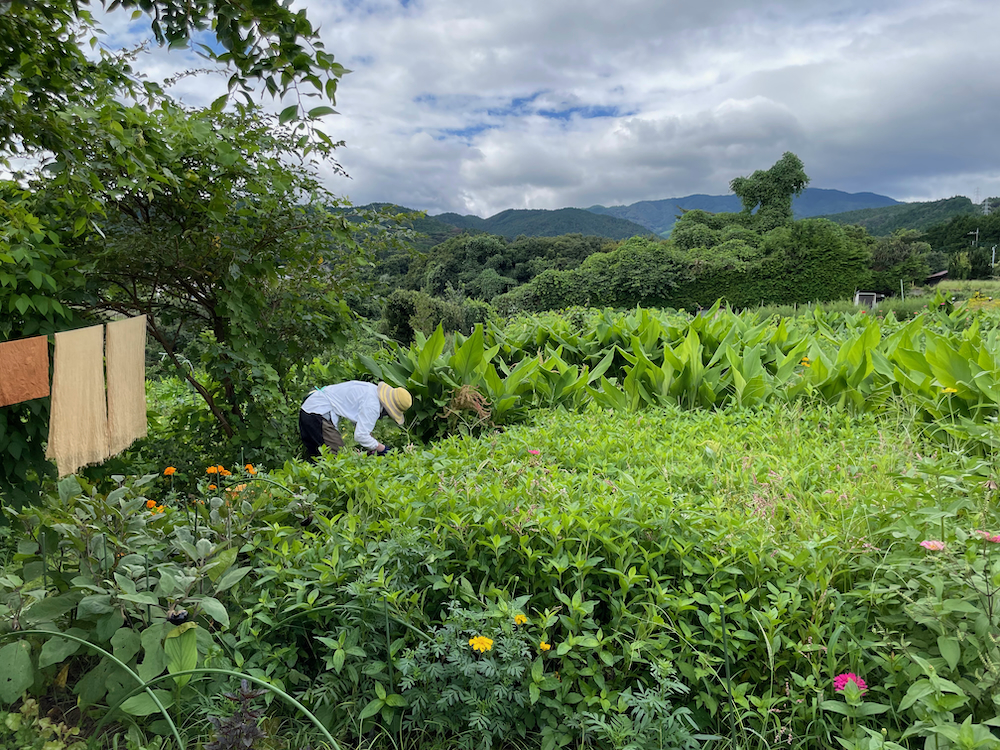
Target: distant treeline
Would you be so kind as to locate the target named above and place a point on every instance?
(753, 257)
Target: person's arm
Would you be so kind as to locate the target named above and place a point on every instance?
(363, 428)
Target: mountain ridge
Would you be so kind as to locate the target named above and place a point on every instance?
(659, 216)
(879, 214)
(540, 222)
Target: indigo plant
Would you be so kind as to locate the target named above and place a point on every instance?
(242, 729)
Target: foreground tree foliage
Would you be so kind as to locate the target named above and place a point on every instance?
(109, 151)
(243, 251)
(44, 69)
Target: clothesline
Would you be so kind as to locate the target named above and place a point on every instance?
(98, 389)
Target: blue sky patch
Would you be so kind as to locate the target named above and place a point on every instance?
(464, 134)
(518, 105)
(585, 113)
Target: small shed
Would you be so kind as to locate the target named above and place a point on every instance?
(934, 278)
(868, 299)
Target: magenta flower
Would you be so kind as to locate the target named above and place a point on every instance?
(987, 536)
(932, 544)
(534, 452)
(841, 680)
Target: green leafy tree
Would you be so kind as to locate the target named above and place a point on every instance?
(243, 248)
(901, 257)
(58, 107)
(980, 266)
(690, 234)
(767, 194)
(44, 70)
(959, 266)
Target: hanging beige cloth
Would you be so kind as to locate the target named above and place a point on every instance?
(126, 361)
(78, 426)
(24, 370)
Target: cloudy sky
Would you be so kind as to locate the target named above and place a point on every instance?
(476, 106)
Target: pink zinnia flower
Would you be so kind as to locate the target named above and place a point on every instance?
(994, 538)
(932, 544)
(841, 680)
(533, 452)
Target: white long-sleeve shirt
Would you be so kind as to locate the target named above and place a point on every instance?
(354, 400)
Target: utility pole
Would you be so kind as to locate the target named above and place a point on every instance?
(975, 242)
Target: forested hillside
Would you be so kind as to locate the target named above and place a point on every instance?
(659, 216)
(484, 265)
(887, 219)
(541, 223)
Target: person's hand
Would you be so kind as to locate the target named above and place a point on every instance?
(385, 450)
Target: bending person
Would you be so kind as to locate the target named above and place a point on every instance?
(357, 401)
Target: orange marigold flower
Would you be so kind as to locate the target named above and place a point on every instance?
(250, 469)
(212, 470)
(224, 473)
(150, 503)
(169, 471)
(212, 487)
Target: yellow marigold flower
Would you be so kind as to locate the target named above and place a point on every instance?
(543, 646)
(169, 471)
(250, 469)
(212, 470)
(212, 487)
(481, 643)
(150, 503)
(949, 390)
(520, 619)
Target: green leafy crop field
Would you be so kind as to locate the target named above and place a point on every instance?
(621, 530)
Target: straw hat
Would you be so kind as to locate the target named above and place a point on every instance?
(395, 401)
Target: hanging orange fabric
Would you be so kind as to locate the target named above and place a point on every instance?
(78, 425)
(24, 370)
(126, 363)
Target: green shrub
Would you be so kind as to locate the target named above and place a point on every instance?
(24, 729)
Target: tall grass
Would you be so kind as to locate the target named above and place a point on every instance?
(964, 289)
(915, 301)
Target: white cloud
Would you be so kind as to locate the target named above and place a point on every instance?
(478, 107)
